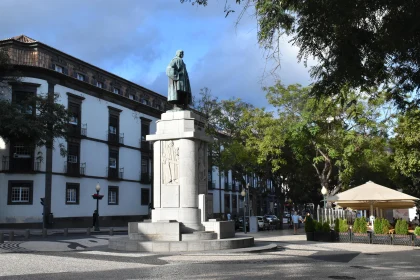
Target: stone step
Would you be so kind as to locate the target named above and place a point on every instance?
(199, 235)
(125, 244)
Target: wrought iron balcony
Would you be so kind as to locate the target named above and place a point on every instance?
(20, 164)
(145, 145)
(116, 138)
(114, 173)
(145, 178)
(84, 130)
(72, 168)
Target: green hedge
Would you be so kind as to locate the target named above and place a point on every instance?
(381, 226)
(309, 224)
(417, 231)
(340, 225)
(359, 225)
(401, 227)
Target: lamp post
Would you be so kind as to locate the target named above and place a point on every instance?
(243, 193)
(97, 196)
(247, 200)
(324, 193)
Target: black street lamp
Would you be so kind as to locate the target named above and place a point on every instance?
(243, 193)
(98, 197)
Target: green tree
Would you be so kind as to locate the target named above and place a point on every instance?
(356, 43)
(46, 121)
(338, 138)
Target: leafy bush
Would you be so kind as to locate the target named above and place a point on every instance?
(318, 226)
(356, 226)
(309, 224)
(342, 225)
(326, 227)
(401, 227)
(363, 225)
(381, 226)
(359, 226)
(337, 224)
(417, 231)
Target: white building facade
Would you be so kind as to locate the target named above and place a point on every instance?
(110, 118)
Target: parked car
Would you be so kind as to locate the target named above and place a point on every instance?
(263, 223)
(271, 218)
(239, 222)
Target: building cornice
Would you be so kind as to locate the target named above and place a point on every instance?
(37, 54)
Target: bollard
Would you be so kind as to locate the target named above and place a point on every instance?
(44, 232)
(88, 231)
(11, 235)
(66, 232)
(27, 233)
(111, 231)
(1, 237)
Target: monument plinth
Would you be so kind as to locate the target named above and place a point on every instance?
(180, 168)
(180, 165)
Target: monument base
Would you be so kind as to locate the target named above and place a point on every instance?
(126, 244)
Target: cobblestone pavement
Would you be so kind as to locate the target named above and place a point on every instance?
(88, 258)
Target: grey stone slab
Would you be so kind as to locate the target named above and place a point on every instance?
(196, 246)
(161, 246)
(178, 246)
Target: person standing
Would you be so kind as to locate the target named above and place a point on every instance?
(228, 216)
(295, 219)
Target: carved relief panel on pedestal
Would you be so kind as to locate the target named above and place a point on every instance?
(170, 162)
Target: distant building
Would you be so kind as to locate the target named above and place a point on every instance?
(110, 117)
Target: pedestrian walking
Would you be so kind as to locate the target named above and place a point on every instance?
(295, 219)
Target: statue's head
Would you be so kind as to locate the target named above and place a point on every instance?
(180, 53)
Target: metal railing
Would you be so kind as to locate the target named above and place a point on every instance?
(84, 130)
(20, 164)
(114, 173)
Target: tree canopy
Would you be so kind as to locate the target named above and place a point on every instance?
(36, 119)
(356, 43)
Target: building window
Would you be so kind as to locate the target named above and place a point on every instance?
(74, 113)
(113, 158)
(145, 101)
(144, 178)
(145, 196)
(145, 129)
(80, 77)
(116, 90)
(23, 100)
(20, 192)
(113, 125)
(99, 84)
(113, 163)
(72, 193)
(112, 195)
(130, 96)
(58, 69)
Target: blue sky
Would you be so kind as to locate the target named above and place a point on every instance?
(136, 39)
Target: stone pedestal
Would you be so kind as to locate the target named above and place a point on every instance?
(180, 169)
(179, 194)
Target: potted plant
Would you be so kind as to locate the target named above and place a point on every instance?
(322, 232)
(342, 229)
(381, 232)
(401, 236)
(359, 232)
(417, 236)
(309, 228)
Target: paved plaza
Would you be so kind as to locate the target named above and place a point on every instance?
(87, 257)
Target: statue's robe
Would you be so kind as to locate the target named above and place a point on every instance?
(178, 80)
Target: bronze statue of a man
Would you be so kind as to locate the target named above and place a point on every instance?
(179, 89)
